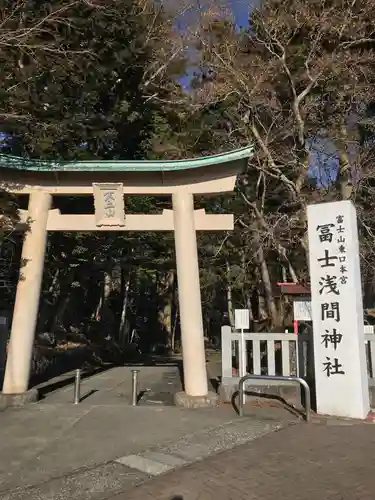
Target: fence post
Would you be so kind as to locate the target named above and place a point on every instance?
(226, 351)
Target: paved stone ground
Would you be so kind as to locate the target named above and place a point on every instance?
(300, 462)
(156, 386)
(54, 450)
(103, 449)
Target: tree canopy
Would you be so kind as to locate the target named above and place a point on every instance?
(78, 75)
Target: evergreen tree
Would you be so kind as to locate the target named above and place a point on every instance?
(76, 77)
(84, 80)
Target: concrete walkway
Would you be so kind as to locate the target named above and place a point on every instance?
(103, 446)
(333, 461)
(157, 385)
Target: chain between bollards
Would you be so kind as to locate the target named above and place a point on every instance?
(134, 387)
(77, 387)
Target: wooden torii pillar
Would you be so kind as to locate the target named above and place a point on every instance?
(108, 182)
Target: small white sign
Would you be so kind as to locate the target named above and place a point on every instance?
(242, 319)
(302, 309)
(3, 321)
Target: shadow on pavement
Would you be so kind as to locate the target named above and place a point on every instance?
(137, 361)
(290, 408)
(64, 380)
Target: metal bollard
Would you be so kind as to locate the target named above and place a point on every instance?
(77, 387)
(134, 387)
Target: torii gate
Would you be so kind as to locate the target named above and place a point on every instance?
(108, 182)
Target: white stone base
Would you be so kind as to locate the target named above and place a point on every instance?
(8, 400)
(210, 400)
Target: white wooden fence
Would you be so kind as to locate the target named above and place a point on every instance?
(278, 353)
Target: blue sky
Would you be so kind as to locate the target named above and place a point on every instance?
(240, 9)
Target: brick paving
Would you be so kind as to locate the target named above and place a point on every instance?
(334, 461)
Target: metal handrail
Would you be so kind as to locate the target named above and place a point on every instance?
(301, 381)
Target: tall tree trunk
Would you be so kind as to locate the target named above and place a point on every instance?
(266, 280)
(166, 290)
(293, 275)
(54, 283)
(49, 301)
(106, 290)
(125, 279)
(345, 173)
(174, 328)
(247, 295)
(250, 308)
(61, 293)
(261, 225)
(229, 296)
(59, 314)
(284, 274)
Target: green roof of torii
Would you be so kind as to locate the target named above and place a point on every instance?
(18, 163)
